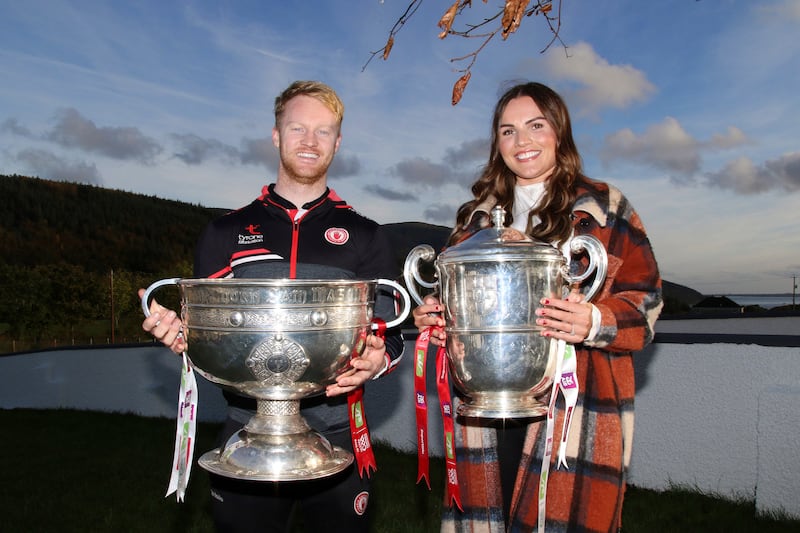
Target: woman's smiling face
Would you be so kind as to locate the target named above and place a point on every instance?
(526, 141)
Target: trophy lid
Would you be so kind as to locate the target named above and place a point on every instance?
(498, 243)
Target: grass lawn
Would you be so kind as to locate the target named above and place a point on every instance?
(78, 471)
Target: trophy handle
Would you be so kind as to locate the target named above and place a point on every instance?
(422, 252)
(598, 261)
(406, 302)
(153, 287)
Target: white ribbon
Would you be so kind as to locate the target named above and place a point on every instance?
(565, 379)
(185, 431)
(568, 383)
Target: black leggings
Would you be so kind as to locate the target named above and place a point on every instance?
(332, 503)
(510, 440)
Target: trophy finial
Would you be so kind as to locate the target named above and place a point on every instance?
(498, 217)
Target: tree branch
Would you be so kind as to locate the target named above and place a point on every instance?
(511, 16)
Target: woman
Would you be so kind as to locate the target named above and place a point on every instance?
(534, 172)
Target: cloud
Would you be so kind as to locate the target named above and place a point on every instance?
(389, 194)
(194, 150)
(12, 125)
(733, 138)
(667, 146)
(259, 152)
(744, 177)
(474, 151)
(126, 143)
(422, 171)
(283, 58)
(603, 84)
(441, 214)
(422, 175)
(49, 166)
(787, 9)
(344, 166)
(787, 170)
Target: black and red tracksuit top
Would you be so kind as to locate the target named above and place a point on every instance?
(330, 234)
(270, 239)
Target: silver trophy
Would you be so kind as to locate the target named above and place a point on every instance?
(490, 287)
(277, 341)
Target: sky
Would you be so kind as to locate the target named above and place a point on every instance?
(690, 107)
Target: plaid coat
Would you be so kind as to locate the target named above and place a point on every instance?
(588, 495)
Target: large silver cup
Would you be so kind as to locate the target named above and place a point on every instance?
(277, 341)
(490, 288)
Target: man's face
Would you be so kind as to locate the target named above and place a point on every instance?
(307, 138)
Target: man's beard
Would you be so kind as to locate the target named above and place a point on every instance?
(305, 176)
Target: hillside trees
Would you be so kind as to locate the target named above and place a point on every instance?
(64, 247)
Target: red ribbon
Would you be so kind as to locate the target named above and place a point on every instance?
(453, 494)
(420, 352)
(359, 432)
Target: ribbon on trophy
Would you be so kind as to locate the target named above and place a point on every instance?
(453, 494)
(185, 431)
(565, 380)
(421, 406)
(359, 432)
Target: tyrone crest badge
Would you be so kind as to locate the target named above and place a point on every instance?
(337, 236)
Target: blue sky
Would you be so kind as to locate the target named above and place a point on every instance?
(690, 107)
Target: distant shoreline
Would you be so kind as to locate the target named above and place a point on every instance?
(760, 294)
(767, 301)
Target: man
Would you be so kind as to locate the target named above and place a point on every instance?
(297, 228)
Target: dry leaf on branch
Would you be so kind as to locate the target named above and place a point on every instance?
(458, 88)
(512, 15)
(388, 47)
(446, 22)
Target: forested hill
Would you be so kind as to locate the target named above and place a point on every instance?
(52, 222)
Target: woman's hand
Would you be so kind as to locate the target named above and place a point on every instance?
(430, 314)
(164, 325)
(511, 234)
(569, 320)
(362, 368)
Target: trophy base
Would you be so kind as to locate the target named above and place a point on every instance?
(502, 405)
(258, 457)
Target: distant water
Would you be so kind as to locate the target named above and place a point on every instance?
(767, 301)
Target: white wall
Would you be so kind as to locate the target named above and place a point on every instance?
(722, 418)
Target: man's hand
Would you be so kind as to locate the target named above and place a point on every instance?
(361, 368)
(164, 325)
